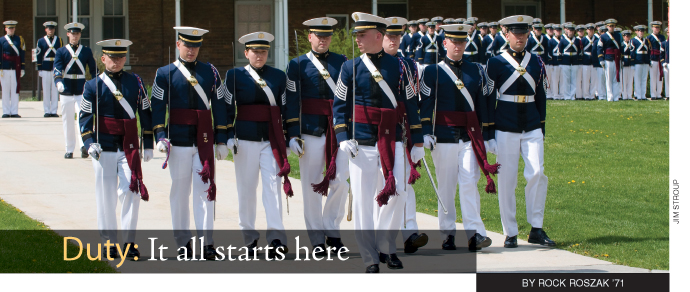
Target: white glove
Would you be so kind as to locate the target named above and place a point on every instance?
(429, 141)
(294, 146)
(60, 87)
(221, 152)
(231, 144)
(148, 154)
(417, 153)
(95, 151)
(666, 66)
(493, 147)
(162, 147)
(349, 147)
(602, 64)
(22, 75)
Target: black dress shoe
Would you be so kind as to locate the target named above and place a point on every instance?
(335, 242)
(323, 250)
(511, 242)
(477, 242)
(277, 245)
(47, 115)
(6, 116)
(68, 155)
(538, 236)
(133, 252)
(54, 115)
(188, 251)
(16, 116)
(372, 269)
(391, 261)
(84, 153)
(113, 253)
(449, 243)
(250, 249)
(415, 241)
(210, 253)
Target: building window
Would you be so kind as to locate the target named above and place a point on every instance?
(389, 8)
(253, 16)
(45, 10)
(343, 21)
(84, 17)
(524, 7)
(113, 19)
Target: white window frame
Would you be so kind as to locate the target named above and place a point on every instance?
(39, 34)
(346, 16)
(537, 4)
(240, 60)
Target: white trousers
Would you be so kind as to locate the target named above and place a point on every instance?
(613, 87)
(627, 82)
(531, 146)
(577, 82)
(10, 97)
(555, 81)
(456, 165)
(549, 70)
(654, 83)
(112, 184)
(376, 227)
(50, 93)
(666, 80)
(70, 106)
(322, 222)
(567, 87)
(587, 85)
(601, 89)
(185, 165)
(409, 224)
(254, 158)
(640, 79)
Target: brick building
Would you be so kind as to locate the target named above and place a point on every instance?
(148, 23)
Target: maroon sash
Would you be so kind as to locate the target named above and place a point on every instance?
(270, 114)
(661, 69)
(324, 107)
(617, 58)
(414, 174)
(469, 121)
(130, 143)
(16, 61)
(204, 142)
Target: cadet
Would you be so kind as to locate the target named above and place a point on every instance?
(417, 38)
(665, 55)
(429, 51)
(600, 74)
(641, 61)
(569, 49)
(473, 47)
(11, 69)
(609, 53)
(554, 48)
(46, 48)
(407, 45)
(459, 155)
(191, 92)
(656, 71)
(110, 106)
(483, 28)
(311, 85)
(69, 77)
(374, 144)
(500, 42)
(517, 80)
(588, 76)
(488, 42)
(438, 20)
(263, 114)
(537, 43)
(628, 69)
(410, 231)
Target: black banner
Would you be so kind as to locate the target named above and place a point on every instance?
(573, 282)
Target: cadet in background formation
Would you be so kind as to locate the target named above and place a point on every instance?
(570, 54)
(609, 53)
(627, 71)
(69, 77)
(488, 42)
(665, 45)
(473, 46)
(191, 92)
(588, 84)
(407, 44)
(640, 57)
(311, 85)
(429, 51)
(601, 74)
(46, 49)
(109, 128)
(656, 72)
(11, 69)
(555, 60)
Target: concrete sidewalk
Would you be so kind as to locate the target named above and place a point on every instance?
(60, 192)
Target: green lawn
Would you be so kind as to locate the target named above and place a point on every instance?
(607, 165)
(28, 246)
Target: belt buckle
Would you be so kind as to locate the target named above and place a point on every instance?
(192, 80)
(325, 74)
(117, 94)
(520, 98)
(377, 76)
(459, 84)
(75, 57)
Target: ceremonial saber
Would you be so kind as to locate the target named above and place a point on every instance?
(97, 144)
(354, 97)
(299, 94)
(349, 205)
(431, 179)
(234, 98)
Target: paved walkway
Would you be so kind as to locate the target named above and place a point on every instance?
(59, 192)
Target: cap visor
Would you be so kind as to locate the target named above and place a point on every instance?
(192, 45)
(324, 34)
(519, 30)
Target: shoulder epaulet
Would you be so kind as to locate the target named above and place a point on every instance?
(216, 75)
(141, 85)
(21, 41)
(344, 57)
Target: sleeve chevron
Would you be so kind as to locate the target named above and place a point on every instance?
(85, 105)
(157, 92)
(291, 86)
(341, 90)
